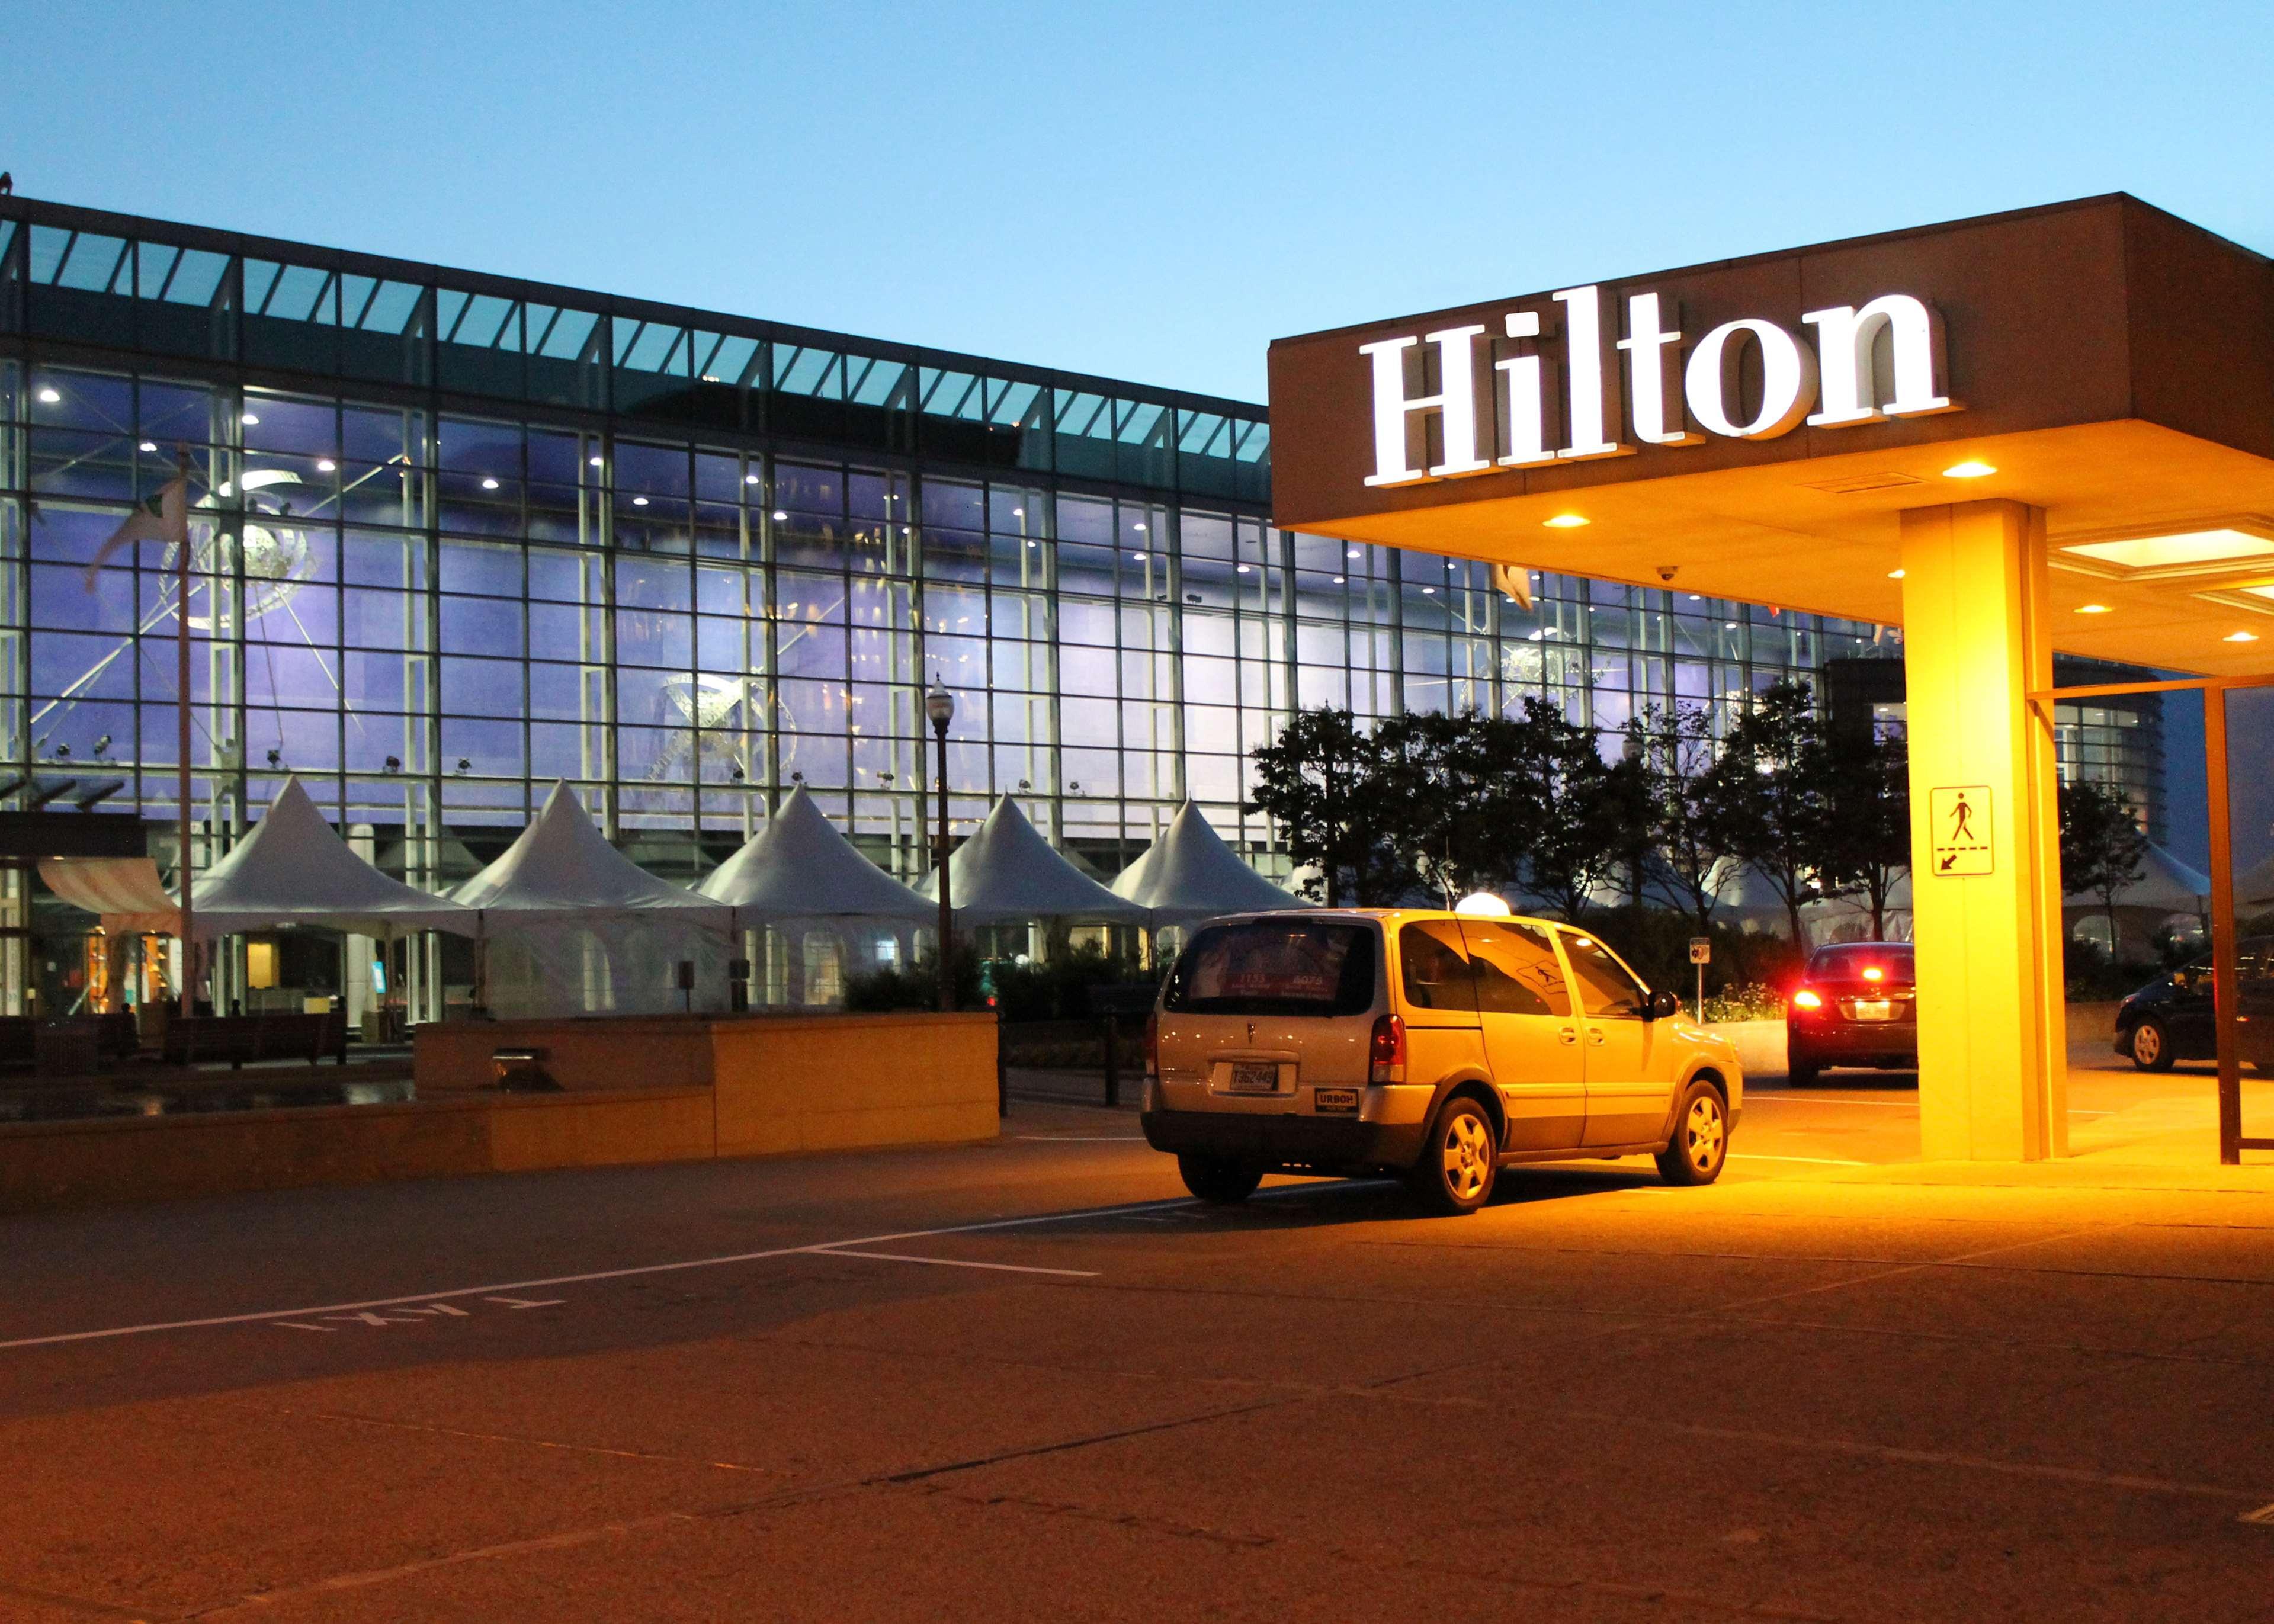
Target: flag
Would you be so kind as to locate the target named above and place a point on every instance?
(1515, 580)
(164, 516)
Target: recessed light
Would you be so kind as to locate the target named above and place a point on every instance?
(2241, 638)
(639, 501)
(1565, 521)
(1141, 530)
(1357, 552)
(780, 516)
(1894, 575)
(325, 465)
(596, 462)
(2092, 608)
(749, 479)
(250, 421)
(2176, 551)
(1697, 597)
(1428, 591)
(1338, 581)
(1968, 470)
(49, 397)
(489, 484)
(149, 445)
(1141, 558)
(1246, 569)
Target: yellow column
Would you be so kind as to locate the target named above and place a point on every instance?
(1994, 1078)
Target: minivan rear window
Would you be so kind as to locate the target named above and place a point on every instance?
(1275, 967)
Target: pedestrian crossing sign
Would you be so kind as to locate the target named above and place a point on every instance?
(1961, 836)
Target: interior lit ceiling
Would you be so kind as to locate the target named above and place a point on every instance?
(2162, 544)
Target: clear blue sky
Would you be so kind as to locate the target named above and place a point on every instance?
(1147, 191)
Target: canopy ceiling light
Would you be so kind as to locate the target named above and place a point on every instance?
(2178, 551)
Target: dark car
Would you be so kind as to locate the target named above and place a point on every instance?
(1856, 1005)
(2171, 1016)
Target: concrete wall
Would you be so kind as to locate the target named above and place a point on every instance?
(636, 1090)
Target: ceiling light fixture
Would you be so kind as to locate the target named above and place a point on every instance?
(250, 421)
(149, 445)
(1894, 575)
(489, 484)
(325, 465)
(2092, 608)
(780, 516)
(639, 501)
(2178, 551)
(1565, 521)
(2241, 638)
(1968, 470)
(49, 397)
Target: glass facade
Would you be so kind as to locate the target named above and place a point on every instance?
(462, 535)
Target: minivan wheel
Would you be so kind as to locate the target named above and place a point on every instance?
(1221, 1184)
(2151, 1046)
(1459, 1162)
(1701, 1138)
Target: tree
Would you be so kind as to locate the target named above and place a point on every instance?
(2101, 846)
(1560, 819)
(1868, 805)
(1675, 751)
(1320, 782)
(1771, 807)
(1445, 784)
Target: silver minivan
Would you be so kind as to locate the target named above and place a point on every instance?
(1437, 1046)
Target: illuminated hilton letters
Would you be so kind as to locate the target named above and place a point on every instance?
(1524, 407)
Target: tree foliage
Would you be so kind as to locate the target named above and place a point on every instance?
(2102, 847)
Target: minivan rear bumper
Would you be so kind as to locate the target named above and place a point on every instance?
(1330, 1144)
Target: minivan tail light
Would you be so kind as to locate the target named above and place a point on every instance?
(1386, 1051)
(1152, 1043)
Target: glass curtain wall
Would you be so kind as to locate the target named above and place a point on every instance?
(456, 537)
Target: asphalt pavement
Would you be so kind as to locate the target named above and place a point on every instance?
(1028, 1380)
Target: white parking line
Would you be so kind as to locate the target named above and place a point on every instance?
(902, 1257)
(824, 1247)
(1750, 1155)
(1083, 1139)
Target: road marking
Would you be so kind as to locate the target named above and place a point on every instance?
(1781, 1097)
(901, 1256)
(2263, 1517)
(1753, 1155)
(1083, 1139)
(635, 1271)
(515, 1302)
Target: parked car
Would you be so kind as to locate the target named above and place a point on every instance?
(1440, 1047)
(1856, 1005)
(2172, 1018)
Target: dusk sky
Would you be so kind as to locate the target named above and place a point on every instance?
(1148, 191)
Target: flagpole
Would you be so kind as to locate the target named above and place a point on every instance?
(184, 867)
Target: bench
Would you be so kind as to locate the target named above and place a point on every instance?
(236, 1039)
(115, 1037)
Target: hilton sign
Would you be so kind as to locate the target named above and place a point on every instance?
(1505, 401)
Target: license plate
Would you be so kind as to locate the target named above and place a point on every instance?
(1258, 1077)
(1873, 1008)
(1335, 1099)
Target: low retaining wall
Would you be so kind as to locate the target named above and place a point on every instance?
(632, 1090)
(1760, 1045)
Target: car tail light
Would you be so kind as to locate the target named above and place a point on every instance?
(1152, 1043)
(1386, 1052)
(1872, 973)
(1807, 999)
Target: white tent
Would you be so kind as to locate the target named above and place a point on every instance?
(562, 871)
(293, 868)
(1007, 872)
(125, 892)
(2165, 882)
(572, 925)
(1189, 874)
(800, 867)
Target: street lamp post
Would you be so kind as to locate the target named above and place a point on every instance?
(939, 706)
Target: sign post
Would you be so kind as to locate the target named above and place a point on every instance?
(1701, 954)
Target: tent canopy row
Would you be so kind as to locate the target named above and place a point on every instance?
(292, 869)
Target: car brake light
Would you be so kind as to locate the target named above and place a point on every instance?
(1807, 999)
(1152, 1043)
(1386, 1053)
(1874, 973)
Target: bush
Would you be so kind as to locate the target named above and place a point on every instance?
(2093, 977)
(883, 990)
(1058, 988)
(1750, 1001)
(1656, 942)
